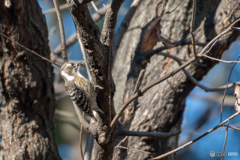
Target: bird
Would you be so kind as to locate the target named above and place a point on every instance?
(81, 90)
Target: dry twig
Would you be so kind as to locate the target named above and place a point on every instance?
(226, 89)
(196, 139)
(29, 50)
(225, 141)
(192, 28)
(63, 41)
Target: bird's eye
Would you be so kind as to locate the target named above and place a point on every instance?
(73, 64)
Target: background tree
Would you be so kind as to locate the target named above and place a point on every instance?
(152, 41)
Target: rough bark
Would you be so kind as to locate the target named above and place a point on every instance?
(26, 85)
(164, 104)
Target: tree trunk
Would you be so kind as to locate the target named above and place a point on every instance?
(26, 85)
(164, 103)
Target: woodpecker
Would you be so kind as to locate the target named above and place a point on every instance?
(81, 91)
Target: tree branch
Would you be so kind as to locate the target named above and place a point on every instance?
(147, 87)
(52, 10)
(110, 23)
(192, 28)
(220, 60)
(80, 141)
(148, 134)
(29, 50)
(225, 141)
(226, 89)
(82, 120)
(196, 139)
(84, 57)
(73, 38)
(63, 40)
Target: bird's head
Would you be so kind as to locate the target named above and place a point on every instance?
(69, 69)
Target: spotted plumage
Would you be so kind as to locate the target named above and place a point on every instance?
(80, 90)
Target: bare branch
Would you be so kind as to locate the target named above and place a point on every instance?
(125, 138)
(124, 25)
(169, 12)
(73, 38)
(106, 39)
(175, 44)
(144, 89)
(225, 141)
(226, 88)
(148, 134)
(63, 40)
(205, 88)
(52, 10)
(30, 50)
(196, 139)
(215, 59)
(232, 127)
(96, 9)
(109, 24)
(192, 28)
(82, 120)
(84, 57)
(139, 80)
(80, 141)
(57, 51)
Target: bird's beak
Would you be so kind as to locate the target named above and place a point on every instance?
(79, 64)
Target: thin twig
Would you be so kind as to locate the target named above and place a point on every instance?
(84, 57)
(196, 139)
(144, 89)
(52, 10)
(63, 40)
(192, 28)
(226, 88)
(139, 80)
(30, 50)
(194, 81)
(127, 148)
(125, 138)
(225, 141)
(96, 9)
(82, 120)
(80, 141)
(232, 127)
(53, 30)
(169, 12)
(73, 38)
(220, 60)
(68, 122)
